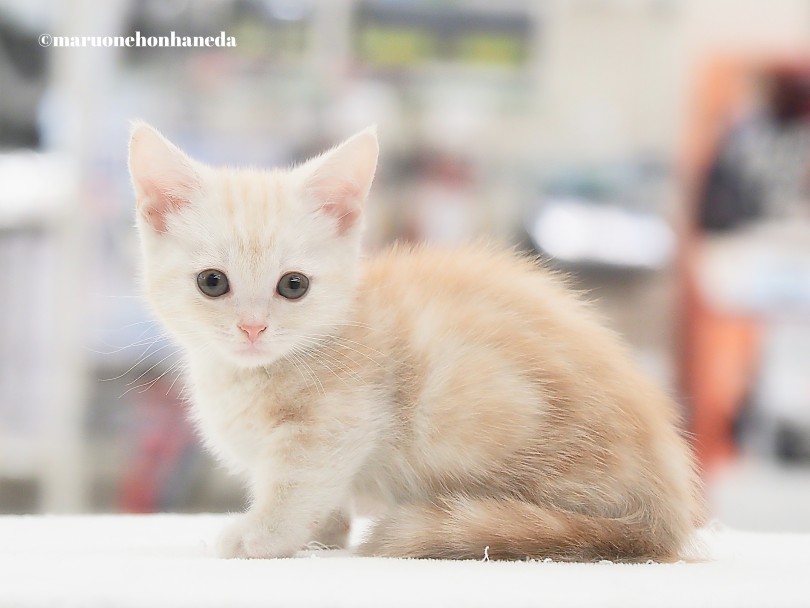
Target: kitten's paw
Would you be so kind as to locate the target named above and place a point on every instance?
(333, 531)
(251, 537)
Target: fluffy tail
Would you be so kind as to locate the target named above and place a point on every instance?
(512, 529)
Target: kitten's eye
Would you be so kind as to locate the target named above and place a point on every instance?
(213, 283)
(293, 285)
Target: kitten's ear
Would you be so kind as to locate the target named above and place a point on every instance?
(163, 177)
(339, 180)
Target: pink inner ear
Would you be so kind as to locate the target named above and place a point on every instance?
(156, 213)
(337, 183)
(342, 202)
(346, 216)
(158, 201)
(163, 177)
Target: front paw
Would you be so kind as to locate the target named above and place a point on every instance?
(332, 532)
(253, 537)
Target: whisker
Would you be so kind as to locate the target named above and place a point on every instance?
(150, 383)
(310, 371)
(321, 338)
(334, 358)
(169, 356)
(176, 378)
(134, 323)
(353, 324)
(344, 339)
(139, 342)
(140, 360)
(340, 365)
(294, 364)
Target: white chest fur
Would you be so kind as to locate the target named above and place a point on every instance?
(230, 409)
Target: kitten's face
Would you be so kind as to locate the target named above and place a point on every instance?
(247, 265)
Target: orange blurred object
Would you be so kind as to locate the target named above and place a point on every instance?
(719, 350)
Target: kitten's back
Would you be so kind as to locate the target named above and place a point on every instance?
(520, 391)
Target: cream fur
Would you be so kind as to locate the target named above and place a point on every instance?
(467, 396)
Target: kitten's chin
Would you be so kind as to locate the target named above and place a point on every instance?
(249, 357)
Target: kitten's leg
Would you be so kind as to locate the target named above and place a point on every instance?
(333, 531)
(282, 518)
(299, 481)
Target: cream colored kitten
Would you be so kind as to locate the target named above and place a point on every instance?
(465, 395)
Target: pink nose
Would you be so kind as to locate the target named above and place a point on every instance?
(252, 331)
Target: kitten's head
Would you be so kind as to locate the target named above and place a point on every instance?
(250, 265)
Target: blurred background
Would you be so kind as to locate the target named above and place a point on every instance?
(657, 150)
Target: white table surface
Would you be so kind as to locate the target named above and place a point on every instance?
(166, 560)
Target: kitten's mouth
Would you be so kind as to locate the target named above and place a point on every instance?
(253, 355)
(250, 350)
(266, 351)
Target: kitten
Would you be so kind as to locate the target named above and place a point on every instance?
(466, 395)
